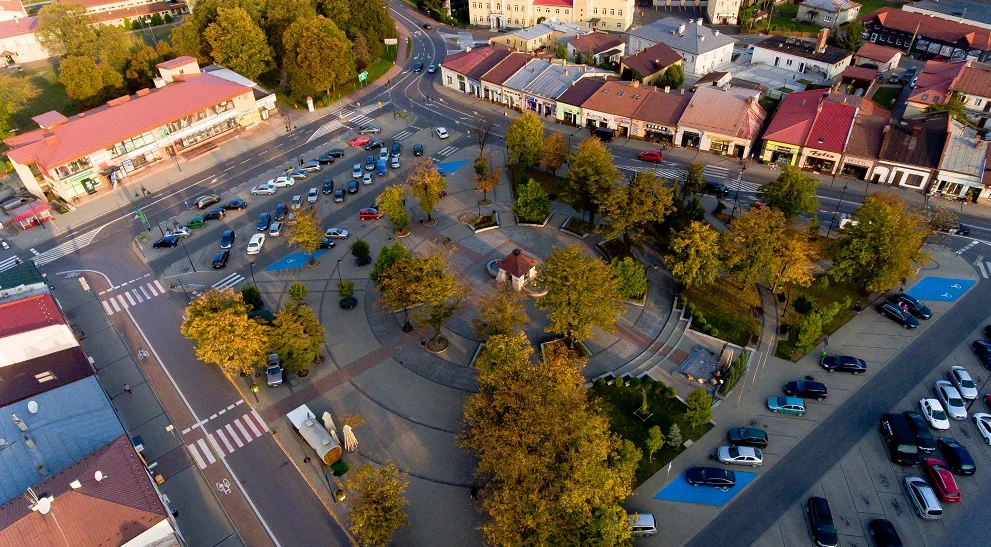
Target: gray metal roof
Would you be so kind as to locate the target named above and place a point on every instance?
(526, 74)
(556, 79)
(71, 422)
(964, 152)
(530, 33)
(975, 10)
(697, 38)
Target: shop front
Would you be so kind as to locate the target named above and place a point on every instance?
(858, 168)
(658, 133)
(32, 214)
(820, 161)
(571, 115)
(594, 120)
(780, 153)
(622, 126)
(691, 139)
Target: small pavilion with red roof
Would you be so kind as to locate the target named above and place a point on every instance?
(517, 268)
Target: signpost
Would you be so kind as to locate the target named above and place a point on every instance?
(392, 42)
(362, 77)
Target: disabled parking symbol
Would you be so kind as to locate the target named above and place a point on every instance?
(941, 289)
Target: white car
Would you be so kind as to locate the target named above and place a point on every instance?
(963, 382)
(740, 455)
(275, 230)
(395, 162)
(296, 173)
(366, 178)
(384, 154)
(356, 171)
(179, 231)
(933, 411)
(442, 133)
(282, 181)
(256, 243)
(951, 399)
(983, 423)
(336, 233)
(311, 196)
(312, 165)
(297, 202)
(266, 189)
(431, 69)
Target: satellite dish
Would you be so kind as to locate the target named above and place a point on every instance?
(44, 505)
(98, 476)
(33, 407)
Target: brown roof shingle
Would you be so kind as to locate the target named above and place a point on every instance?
(618, 98)
(517, 264)
(29, 378)
(877, 52)
(652, 60)
(932, 27)
(597, 42)
(506, 68)
(868, 129)
(581, 90)
(974, 79)
(486, 64)
(663, 108)
(916, 141)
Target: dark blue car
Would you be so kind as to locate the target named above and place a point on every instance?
(263, 222)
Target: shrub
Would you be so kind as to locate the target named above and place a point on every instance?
(156, 20)
(699, 410)
(720, 207)
(736, 371)
(670, 392)
(168, 18)
(601, 382)
(674, 436)
(634, 382)
(532, 203)
(648, 382)
(619, 382)
(803, 305)
(632, 279)
(252, 297)
(361, 250)
(345, 288)
(298, 291)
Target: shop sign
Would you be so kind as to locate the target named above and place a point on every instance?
(823, 155)
(858, 161)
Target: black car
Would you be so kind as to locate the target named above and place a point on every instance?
(220, 259)
(956, 456)
(426, 26)
(370, 163)
(339, 195)
(327, 243)
(987, 332)
(280, 212)
(983, 352)
(417, 149)
(352, 187)
(806, 390)
(884, 533)
(821, 523)
(717, 189)
(335, 153)
(264, 220)
(373, 144)
(227, 239)
(166, 242)
(236, 205)
(328, 187)
(747, 436)
(324, 159)
(915, 307)
(843, 363)
(217, 213)
(203, 202)
(396, 149)
(898, 314)
(962, 230)
(417, 67)
(716, 477)
(924, 438)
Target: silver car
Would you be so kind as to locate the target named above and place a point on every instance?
(273, 372)
(312, 195)
(951, 399)
(963, 382)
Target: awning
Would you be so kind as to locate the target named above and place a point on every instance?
(29, 210)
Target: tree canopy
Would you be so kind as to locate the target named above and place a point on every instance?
(297, 336)
(392, 202)
(581, 292)
(793, 193)
(66, 29)
(218, 323)
(632, 208)
(307, 232)
(555, 151)
(317, 57)
(591, 175)
(377, 502)
(532, 202)
(88, 83)
(501, 311)
(427, 185)
(238, 43)
(673, 77)
(754, 244)
(525, 139)
(695, 255)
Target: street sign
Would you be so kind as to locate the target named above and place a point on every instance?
(362, 76)
(391, 41)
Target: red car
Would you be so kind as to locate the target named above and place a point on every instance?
(941, 479)
(360, 140)
(369, 214)
(650, 155)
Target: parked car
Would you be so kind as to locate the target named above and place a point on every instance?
(747, 436)
(273, 372)
(426, 26)
(312, 195)
(441, 133)
(417, 67)
(256, 243)
(821, 522)
(370, 130)
(431, 69)
(941, 479)
(923, 498)
(963, 382)
(383, 154)
(983, 352)
(951, 399)
(641, 524)
(336, 233)
(934, 413)
(196, 222)
(263, 222)
(786, 405)
(179, 231)
(356, 171)
(296, 173)
(217, 213)
(370, 163)
(366, 178)
(266, 189)
(360, 140)
(352, 187)
(312, 165)
(375, 143)
(417, 149)
(275, 230)
(203, 202)
(328, 187)
(339, 195)
(884, 533)
(296, 202)
(369, 214)
(236, 205)
(650, 155)
(227, 239)
(715, 477)
(897, 314)
(336, 152)
(327, 243)
(280, 211)
(395, 162)
(962, 230)
(983, 423)
(956, 456)
(220, 259)
(324, 159)
(740, 455)
(282, 181)
(899, 440)
(916, 308)
(843, 363)
(166, 242)
(925, 441)
(806, 390)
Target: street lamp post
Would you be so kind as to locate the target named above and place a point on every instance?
(181, 242)
(836, 212)
(251, 268)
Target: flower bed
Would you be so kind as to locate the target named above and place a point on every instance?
(615, 248)
(485, 223)
(577, 227)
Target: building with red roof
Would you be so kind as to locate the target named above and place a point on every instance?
(823, 147)
(463, 71)
(32, 327)
(603, 15)
(650, 63)
(723, 121)
(969, 80)
(884, 57)
(928, 37)
(864, 142)
(599, 46)
(657, 117)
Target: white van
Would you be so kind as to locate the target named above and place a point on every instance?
(642, 524)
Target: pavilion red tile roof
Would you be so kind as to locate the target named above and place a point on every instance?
(662, 108)
(793, 118)
(505, 69)
(28, 314)
(652, 60)
(877, 52)
(932, 27)
(517, 264)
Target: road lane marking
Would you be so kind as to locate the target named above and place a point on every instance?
(206, 451)
(220, 433)
(216, 445)
(196, 456)
(260, 420)
(241, 428)
(254, 429)
(230, 430)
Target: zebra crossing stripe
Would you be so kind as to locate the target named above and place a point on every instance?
(237, 440)
(196, 456)
(113, 302)
(158, 284)
(215, 445)
(144, 292)
(229, 281)
(123, 302)
(107, 307)
(130, 298)
(206, 451)
(260, 420)
(138, 296)
(241, 428)
(254, 429)
(220, 433)
(8, 263)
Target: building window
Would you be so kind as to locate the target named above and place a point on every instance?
(618, 25)
(449, 80)
(827, 19)
(557, 11)
(595, 11)
(977, 101)
(612, 12)
(567, 12)
(206, 133)
(925, 96)
(43, 377)
(788, 62)
(131, 144)
(73, 167)
(913, 180)
(936, 98)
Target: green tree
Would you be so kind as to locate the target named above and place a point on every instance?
(501, 312)
(238, 43)
(882, 245)
(852, 38)
(525, 139)
(15, 93)
(674, 436)
(940, 219)
(298, 292)
(218, 323)
(65, 29)
(141, 69)
(673, 77)
(555, 151)
(812, 326)
(426, 183)
(318, 56)
(631, 74)
(695, 255)
(545, 452)
(440, 291)
(392, 202)
(561, 51)
(794, 261)
(156, 20)
(362, 57)
(954, 105)
(361, 251)
(345, 289)
(532, 202)
(88, 83)
(695, 180)
(699, 408)
(339, 11)
(591, 174)
(753, 246)
(581, 292)
(632, 279)
(630, 209)
(168, 19)
(278, 15)
(114, 47)
(297, 337)
(655, 441)
(481, 167)
(187, 39)
(377, 503)
(252, 297)
(307, 232)
(694, 212)
(388, 256)
(793, 193)
(366, 19)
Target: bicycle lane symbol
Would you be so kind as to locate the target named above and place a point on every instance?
(224, 486)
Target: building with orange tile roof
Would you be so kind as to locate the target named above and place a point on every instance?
(722, 121)
(928, 37)
(940, 80)
(886, 58)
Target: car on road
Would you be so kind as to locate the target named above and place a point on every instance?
(166, 242)
(196, 222)
(884, 533)
(352, 187)
(397, 149)
(925, 441)
(898, 315)
(217, 213)
(327, 243)
(328, 187)
(296, 173)
(220, 259)
(356, 171)
(312, 195)
(375, 143)
(227, 239)
(916, 308)
(383, 154)
(360, 140)
(983, 352)
(716, 477)
(336, 233)
(641, 524)
(821, 522)
(370, 163)
(963, 382)
(962, 230)
(369, 214)
(441, 133)
(266, 189)
(417, 67)
(179, 231)
(650, 155)
(280, 212)
(339, 195)
(282, 181)
(203, 202)
(236, 205)
(311, 166)
(717, 189)
(941, 480)
(370, 130)
(297, 202)
(417, 149)
(806, 390)
(740, 455)
(983, 423)
(366, 178)
(951, 399)
(747, 436)
(273, 372)
(843, 363)
(264, 220)
(923, 498)
(956, 456)
(256, 243)
(934, 413)
(431, 69)
(395, 162)
(426, 26)
(324, 159)
(335, 153)
(914, 81)
(275, 230)
(786, 405)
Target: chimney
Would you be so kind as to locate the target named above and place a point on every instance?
(698, 21)
(635, 83)
(821, 44)
(159, 83)
(682, 91)
(467, 49)
(715, 32)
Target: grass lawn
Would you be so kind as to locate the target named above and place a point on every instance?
(885, 96)
(550, 182)
(619, 405)
(782, 20)
(821, 296)
(727, 309)
(870, 6)
(50, 96)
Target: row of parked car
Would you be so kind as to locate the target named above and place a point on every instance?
(171, 237)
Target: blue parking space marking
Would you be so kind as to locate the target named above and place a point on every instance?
(449, 167)
(941, 289)
(680, 490)
(294, 260)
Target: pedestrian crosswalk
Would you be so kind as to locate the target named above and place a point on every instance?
(743, 186)
(959, 251)
(128, 299)
(66, 248)
(713, 172)
(325, 129)
(669, 173)
(447, 151)
(9, 263)
(224, 441)
(228, 282)
(360, 120)
(402, 135)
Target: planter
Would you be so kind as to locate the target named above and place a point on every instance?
(303, 373)
(363, 261)
(437, 345)
(348, 303)
(401, 233)
(615, 248)
(538, 224)
(313, 265)
(576, 227)
(485, 223)
(580, 348)
(492, 270)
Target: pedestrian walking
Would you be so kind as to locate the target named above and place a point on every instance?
(127, 388)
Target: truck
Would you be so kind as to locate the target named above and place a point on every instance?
(315, 435)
